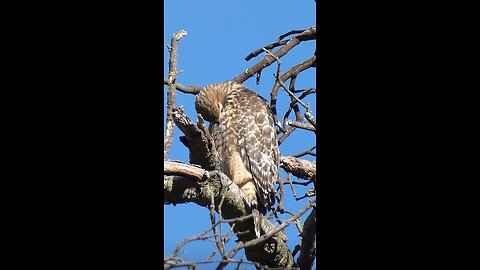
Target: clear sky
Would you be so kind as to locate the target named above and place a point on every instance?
(220, 35)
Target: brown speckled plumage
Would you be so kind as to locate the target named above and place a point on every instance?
(241, 124)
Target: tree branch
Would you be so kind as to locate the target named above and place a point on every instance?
(308, 34)
(300, 125)
(290, 74)
(182, 169)
(197, 139)
(306, 152)
(299, 167)
(308, 247)
(192, 89)
(171, 94)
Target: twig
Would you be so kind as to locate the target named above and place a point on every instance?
(288, 34)
(226, 239)
(292, 73)
(192, 89)
(268, 235)
(300, 125)
(286, 134)
(291, 185)
(268, 47)
(302, 183)
(309, 116)
(290, 93)
(307, 152)
(297, 223)
(219, 210)
(182, 191)
(171, 94)
(199, 236)
(293, 104)
(310, 193)
(218, 239)
(278, 42)
(276, 59)
(305, 92)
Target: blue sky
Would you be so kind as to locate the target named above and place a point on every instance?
(220, 35)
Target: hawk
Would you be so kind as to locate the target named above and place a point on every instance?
(241, 124)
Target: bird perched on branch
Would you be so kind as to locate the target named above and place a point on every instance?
(241, 124)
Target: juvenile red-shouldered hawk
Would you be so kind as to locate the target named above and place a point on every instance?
(241, 124)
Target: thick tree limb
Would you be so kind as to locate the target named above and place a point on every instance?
(197, 139)
(182, 169)
(299, 167)
(308, 247)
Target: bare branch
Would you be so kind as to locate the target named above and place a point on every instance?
(286, 134)
(289, 33)
(218, 240)
(226, 239)
(279, 63)
(267, 236)
(171, 94)
(297, 224)
(210, 188)
(302, 183)
(310, 193)
(181, 169)
(307, 152)
(293, 104)
(290, 74)
(291, 185)
(197, 139)
(268, 47)
(300, 125)
(308, 34)
(290, 92)
(308, 246)
(310, 118)
(299, 167)
(192, 89)
(277, 43)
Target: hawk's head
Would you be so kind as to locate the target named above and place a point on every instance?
(211, 99)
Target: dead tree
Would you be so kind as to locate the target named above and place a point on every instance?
(199, 180)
